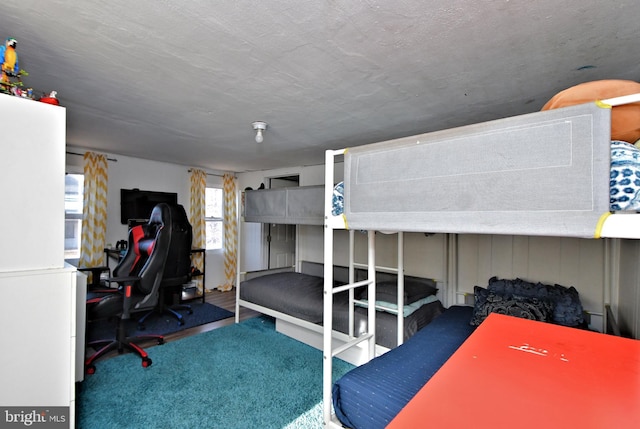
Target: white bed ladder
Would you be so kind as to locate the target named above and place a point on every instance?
(398, 270)
(328, 350)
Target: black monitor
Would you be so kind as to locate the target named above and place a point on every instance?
(138, 204)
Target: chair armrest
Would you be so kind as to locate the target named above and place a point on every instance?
(94, 269)
(124, 282)
(127, 282)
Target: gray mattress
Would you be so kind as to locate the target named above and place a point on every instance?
(301, 296)
(296, 294)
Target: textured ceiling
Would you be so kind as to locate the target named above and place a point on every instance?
(183, 81)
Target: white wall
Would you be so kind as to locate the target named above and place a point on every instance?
(128, 173)
(566, 261)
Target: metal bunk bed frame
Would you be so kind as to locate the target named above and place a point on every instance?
(329, 351)
(283, 205)
(613, 225)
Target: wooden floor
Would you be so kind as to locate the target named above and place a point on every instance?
(226, 300)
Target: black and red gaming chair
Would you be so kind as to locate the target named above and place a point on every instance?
(177, 270)
(139, 275)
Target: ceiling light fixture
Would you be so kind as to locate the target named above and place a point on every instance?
(260, 127)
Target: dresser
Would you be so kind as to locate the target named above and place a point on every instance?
(37, 288)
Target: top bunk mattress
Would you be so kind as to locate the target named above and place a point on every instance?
(544, 173)
(371, 395)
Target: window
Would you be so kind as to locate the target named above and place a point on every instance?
(73, 200)
(213, 218)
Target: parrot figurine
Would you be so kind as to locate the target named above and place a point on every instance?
(9, 59)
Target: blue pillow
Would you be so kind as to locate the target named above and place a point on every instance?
(566, 300)
(517, 306)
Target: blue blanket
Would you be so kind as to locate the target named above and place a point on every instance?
(371, 395)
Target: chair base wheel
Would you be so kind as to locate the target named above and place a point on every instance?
(126, 344)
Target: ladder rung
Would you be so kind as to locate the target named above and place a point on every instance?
(350, 344)
(342, 288)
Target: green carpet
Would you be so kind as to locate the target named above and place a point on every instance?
(240, 376)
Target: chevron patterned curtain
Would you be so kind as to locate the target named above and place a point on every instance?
(230, 231)
(94, 210)
(198, 181)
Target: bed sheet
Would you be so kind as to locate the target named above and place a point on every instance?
(297, 294)
(301, 296)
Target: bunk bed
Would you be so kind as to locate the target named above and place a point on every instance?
(362, 398)
(295, 300)
(405, 304)
(545, 173)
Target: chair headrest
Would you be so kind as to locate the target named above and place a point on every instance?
(160, 215)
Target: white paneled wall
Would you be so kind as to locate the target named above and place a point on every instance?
(424, 256)
(566, 261)
(311, 243)
(628, 305)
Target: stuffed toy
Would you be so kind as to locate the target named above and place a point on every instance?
(9, 59)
